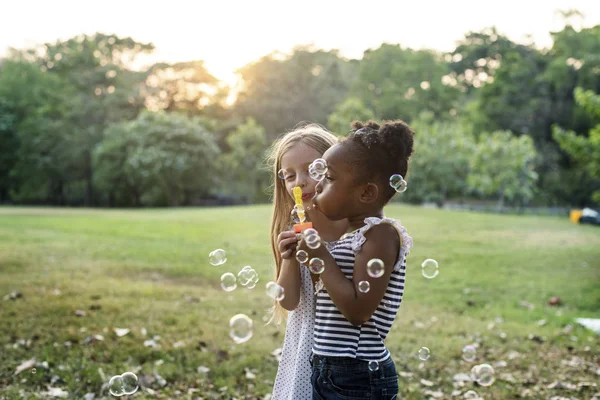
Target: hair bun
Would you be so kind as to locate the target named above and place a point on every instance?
(356, 125)
(398, 137)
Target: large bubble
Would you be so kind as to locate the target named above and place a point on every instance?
(240, 328)
(217, 257)
(375, 268)
(275, 291)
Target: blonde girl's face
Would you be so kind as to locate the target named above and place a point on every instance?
(294, 169)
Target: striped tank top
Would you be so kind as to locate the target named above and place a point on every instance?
(334, 335)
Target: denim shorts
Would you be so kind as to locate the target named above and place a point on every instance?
(346, 378)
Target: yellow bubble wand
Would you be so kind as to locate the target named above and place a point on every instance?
(300, 210)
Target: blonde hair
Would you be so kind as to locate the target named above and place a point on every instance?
(311, 135)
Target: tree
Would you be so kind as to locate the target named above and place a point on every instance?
(243, 172)
(401, 83)
(102, 91)
(585, 151)
(38, 165)
(349, 110)
(9, 147)
(168, 159)
(184, 87)
(440, 165)
(502, 166)
(279, 92)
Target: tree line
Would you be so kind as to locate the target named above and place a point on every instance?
(494, 119)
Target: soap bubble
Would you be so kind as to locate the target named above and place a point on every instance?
(364, 286)
(483, 374)
(130, 382)
(33, 370)
(316, 176)
(373, 366)
(319, 166)
(313, 241)
(316, 265)
(275, 291)
(244, 277)
(375, 268)
(253, 276)
(247, 277)
(423, 353)
(398, 183)
(297, 217)
(281, 174)
(115, 386)
(395, 180)
(217, 257)
(302, 256)
(429, 268)
(240, 328)
(469, 353)
(124, 384)
(310, 232)
(228, 282)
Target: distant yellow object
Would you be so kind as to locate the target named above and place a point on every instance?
(575, 215)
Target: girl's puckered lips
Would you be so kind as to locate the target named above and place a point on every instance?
(308, 196)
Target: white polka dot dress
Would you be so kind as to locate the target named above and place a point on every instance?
(293, 375)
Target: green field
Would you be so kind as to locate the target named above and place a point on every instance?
(148, 271)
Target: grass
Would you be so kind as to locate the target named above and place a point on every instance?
(148, 271)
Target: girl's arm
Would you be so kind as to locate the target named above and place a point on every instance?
(290, 280)
(382, 242)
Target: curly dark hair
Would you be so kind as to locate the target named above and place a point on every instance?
(376, 152)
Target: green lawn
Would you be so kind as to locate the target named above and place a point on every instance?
(148, 270)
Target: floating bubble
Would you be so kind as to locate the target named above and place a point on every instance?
(316, 265)
(115, 386)
(364, 286)
(296, 216)
(228, 282)
(469, 353)
(251, 285)
(217, 257)
(398, 183)
(313, 241)
(375, 268)
(281, 174)
(275, 291)
(319, 166)
(33, 370)
(309, 232)
(242, 278)
(483, 374)
(315, 175)
(240, 328)
(253, 276)
(302, 256)
(130, 383)
(429, 268)
(373, 366)
(423, 353)
(471, 395)
(396, 180)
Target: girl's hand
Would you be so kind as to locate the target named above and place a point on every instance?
(287, 244)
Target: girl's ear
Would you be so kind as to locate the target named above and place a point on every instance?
(369, 194)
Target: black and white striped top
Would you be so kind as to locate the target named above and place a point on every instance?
(336, 337)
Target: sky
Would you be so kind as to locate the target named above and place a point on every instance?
(229, 34)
